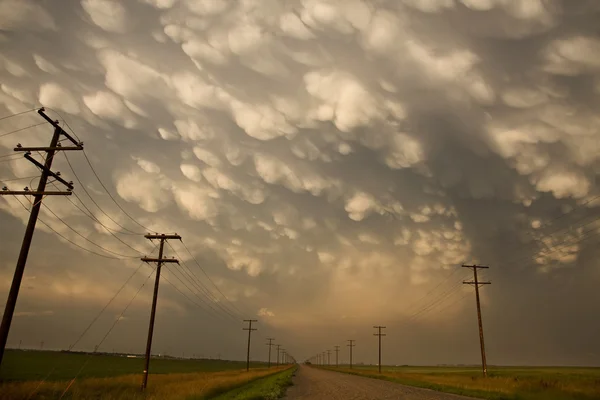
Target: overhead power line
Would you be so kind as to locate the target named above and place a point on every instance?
(200, 286)
(128, 231)
(21, 129)
(66, 238)
(112, 197)
(210, 280)
(87, 239)
(91, 216)
(19, 113)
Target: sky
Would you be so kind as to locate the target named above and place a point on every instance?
(329, 164)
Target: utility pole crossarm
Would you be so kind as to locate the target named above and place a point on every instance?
(161, 260)
(57, 148)
(162, 236)
(6, 192)
(41, 112)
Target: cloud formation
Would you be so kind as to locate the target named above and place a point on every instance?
(324, 160)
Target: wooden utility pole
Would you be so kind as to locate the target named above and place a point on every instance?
(159, 262)
(278, 347)
(38, 196)
(379, 328)
(249, 329)
(337, 353)
(351, 345)
(270, 344)
(328, 357)
(475, 282)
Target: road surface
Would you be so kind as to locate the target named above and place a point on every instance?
(318, 384)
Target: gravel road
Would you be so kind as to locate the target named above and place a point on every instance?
(318, 384)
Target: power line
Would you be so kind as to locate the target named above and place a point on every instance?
(96, 220)
(453, 272)
(129, 232)
(203, 288)
(111, 196)
(88, 328)
(208, 310)
(208, 277)
(105, 336)
(67, 239)
(22, 129)
(19, 113)
(85, 238)
(107, 304)
(18, 179)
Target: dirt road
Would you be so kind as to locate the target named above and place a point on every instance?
(318, 384)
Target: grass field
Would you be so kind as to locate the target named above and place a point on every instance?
(503, 383)
(269, 388)
(50, 365)
(113, 378)
(196, 385)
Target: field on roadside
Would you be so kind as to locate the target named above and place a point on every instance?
(51, 365)
(268, 388)
(47, 375)
(197, 385)
(503, 383)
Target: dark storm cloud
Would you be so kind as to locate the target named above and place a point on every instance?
(327, 161)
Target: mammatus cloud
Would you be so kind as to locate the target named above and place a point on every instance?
(333, 159)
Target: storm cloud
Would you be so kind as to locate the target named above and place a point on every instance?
(329, 163)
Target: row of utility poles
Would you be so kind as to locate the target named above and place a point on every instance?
(283, 357)
(323, 358)
(39, 194)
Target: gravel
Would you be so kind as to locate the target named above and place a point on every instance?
(314, 383)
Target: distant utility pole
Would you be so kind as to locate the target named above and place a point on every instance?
(38, 196)
(249, 329)
(475, 282)
(42, 345)
(278, 347)
(270, 344)
(379, 328)
(351, 345)
(159, 262)
(337, 353)
(328, 357)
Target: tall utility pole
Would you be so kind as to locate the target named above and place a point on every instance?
(475, 282)
(38, 196)
(328, 357)
(278, 347)
(249, 329)
(379, 328)
(270, 344)
(159, 262)
(351, 345)
(337, 353)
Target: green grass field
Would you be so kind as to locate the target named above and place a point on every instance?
(269, 388)
(503, 383)
(29, 375)
(20, 365)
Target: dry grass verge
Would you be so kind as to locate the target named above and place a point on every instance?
(127, 387)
